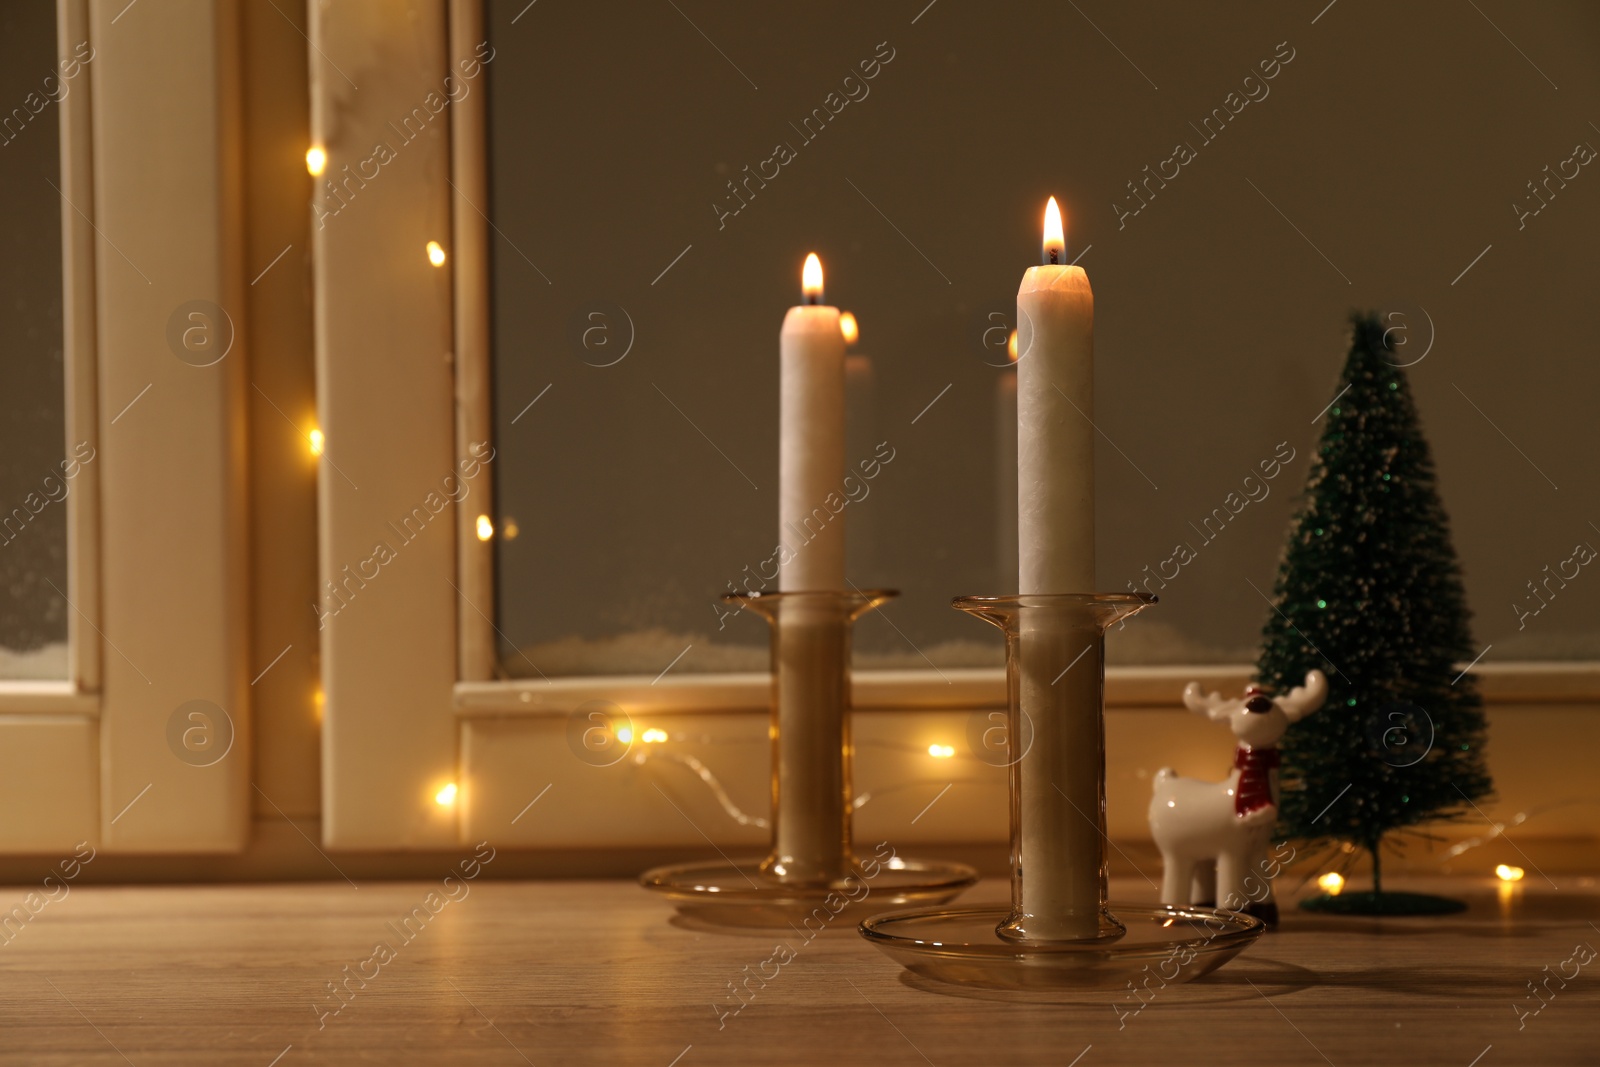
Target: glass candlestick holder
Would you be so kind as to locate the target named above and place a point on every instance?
(1058, 930)
(813, 867)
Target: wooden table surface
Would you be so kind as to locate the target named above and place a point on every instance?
(597, 972)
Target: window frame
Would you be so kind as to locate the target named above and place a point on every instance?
(156, 534)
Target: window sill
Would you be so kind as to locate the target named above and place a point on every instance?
(46, 698)
(1126, 688)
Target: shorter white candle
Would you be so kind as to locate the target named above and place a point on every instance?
(811, 441)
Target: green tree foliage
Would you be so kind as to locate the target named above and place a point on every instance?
(1369, 591)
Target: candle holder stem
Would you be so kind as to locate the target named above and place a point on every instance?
(812, 797)
(1055, 669)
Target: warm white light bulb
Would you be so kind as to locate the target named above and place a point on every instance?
(436, 253)
(316, 160)
(446, 796)
(1508, 873)
(485, 528)
(317, 441)
(1331, 883)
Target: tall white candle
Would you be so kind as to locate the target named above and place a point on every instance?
(1055, 438)
(1058, 782)
(811, 441)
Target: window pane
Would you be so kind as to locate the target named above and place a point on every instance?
(652, 208)
(33, 489)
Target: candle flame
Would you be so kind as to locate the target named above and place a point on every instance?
(1507, 873)
(848, 327)
(1011, 346)
(1331, 883)
(1055, 235)
(316, 160)
(811, 279)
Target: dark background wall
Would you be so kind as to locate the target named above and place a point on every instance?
(1383, 161)
(33, 553)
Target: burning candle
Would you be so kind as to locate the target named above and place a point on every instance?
(1058, 783)
(811, 441)
(1055, 438)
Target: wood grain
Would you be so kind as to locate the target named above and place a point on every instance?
(597, 972)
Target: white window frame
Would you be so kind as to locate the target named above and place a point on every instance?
(407, 679)
(156, 547)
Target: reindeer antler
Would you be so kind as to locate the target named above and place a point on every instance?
(1212, 705)
(1304, 699)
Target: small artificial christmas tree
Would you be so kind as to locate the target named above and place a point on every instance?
(1369, 592)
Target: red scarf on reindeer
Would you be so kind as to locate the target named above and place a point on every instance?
(1255, 766)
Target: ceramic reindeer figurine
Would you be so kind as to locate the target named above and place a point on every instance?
(1213, 835)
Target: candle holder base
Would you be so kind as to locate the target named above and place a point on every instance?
(960, 946)
(1058, 932)
(741, 892)
(813, 871)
